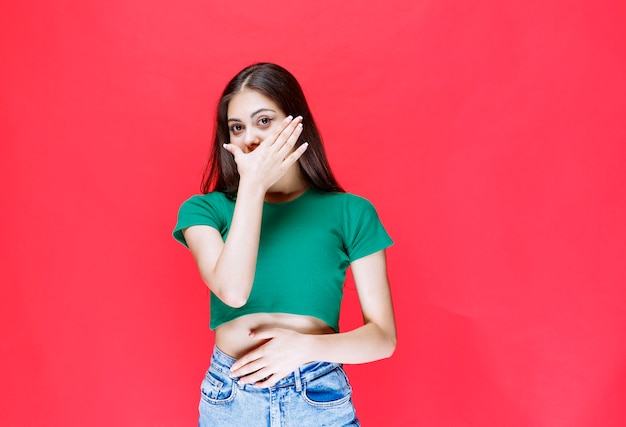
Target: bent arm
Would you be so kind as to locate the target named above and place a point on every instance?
(285, 349)
(376, 339)
(227, 267)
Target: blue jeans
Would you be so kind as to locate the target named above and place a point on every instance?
(316, 394)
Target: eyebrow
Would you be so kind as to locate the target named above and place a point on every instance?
(260, 110)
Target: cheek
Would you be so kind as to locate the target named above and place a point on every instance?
(236, 140)
(272, 128)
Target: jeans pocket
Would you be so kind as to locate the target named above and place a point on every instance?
(217, 387)
(329, 390)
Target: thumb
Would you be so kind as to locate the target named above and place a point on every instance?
(233, 149)
(263, 334)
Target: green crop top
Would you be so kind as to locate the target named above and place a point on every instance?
(305, 248)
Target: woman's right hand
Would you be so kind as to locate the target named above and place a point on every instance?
(271, 159)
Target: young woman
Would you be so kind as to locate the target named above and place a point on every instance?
(272, 235)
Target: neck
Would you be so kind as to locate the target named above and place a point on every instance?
(278, 197)
(287, 188)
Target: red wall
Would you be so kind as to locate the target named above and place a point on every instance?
(489, 134)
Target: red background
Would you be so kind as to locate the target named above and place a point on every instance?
(490, 136)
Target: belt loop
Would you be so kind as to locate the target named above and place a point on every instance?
(298, 380)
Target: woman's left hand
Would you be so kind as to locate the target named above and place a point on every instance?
(264, 366)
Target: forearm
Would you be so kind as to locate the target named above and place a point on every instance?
(376, 339)
(285, 349)
(233, 274)
(367, 343)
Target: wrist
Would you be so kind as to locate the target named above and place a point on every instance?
(311, 345)
(250, 188)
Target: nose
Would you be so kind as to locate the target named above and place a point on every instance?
(252, 139)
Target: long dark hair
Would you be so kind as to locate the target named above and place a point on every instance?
(278, 84)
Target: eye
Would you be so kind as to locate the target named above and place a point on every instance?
(264, 121)
(236, 128)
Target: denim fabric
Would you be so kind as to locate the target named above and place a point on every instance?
(315, 395)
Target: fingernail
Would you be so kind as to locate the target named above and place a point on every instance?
(289, 118)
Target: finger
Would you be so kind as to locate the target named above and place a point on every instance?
(248, 369)
(269, 141)
(262, 334)
(287, 147)
(286, 133)
(247, 358)
(293, 157)
(233, 149)
(270, 381)
(257, 377)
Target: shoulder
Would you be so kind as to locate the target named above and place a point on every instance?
(343, 198)
(348, 204)
(357, 204)
(352, 208)
(208, 197)
(364, 233)
(198, 201)
(355, 199)
(214, 207)
(211, 209)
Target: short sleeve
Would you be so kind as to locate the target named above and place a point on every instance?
(208, 209)
(364, 233)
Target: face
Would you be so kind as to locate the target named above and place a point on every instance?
(252, 117)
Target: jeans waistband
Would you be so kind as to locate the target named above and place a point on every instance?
(303, 374)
